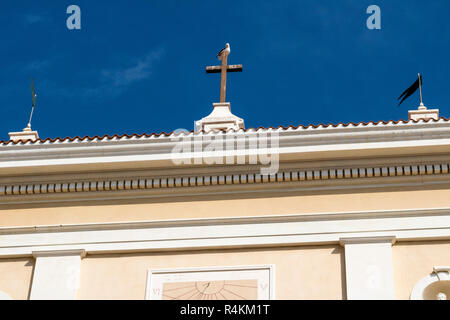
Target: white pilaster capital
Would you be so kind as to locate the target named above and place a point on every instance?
(59, 253)
(365, 240)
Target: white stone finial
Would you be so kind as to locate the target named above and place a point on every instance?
(422, 113)
(24, 135)
(220, 118)
(422, 106)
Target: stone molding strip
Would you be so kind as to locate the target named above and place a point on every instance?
(326, 228)
(211, 180)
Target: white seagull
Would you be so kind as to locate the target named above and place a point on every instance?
(225, 50)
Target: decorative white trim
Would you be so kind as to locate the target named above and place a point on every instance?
(270, 268)
(303, 217)
(195, 234)
(298, 176)
(438, 274)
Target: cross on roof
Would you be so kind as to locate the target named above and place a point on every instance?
(223, 69)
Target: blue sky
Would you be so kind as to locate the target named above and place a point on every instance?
(138, 66)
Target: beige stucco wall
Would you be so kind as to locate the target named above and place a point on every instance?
(223, 206)
(414, 261)
(15, 277)
(300, 272)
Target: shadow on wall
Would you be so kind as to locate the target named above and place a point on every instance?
(340, 250)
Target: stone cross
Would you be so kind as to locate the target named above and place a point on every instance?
(223, 69)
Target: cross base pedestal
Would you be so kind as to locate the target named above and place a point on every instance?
(220, 118)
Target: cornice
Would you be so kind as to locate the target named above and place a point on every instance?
(351, 156)
(356, 177)
(127, 152)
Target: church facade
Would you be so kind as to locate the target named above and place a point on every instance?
(343, 211)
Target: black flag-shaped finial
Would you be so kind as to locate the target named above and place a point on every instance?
(33, 101)
(33, 94)
(411, 89)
